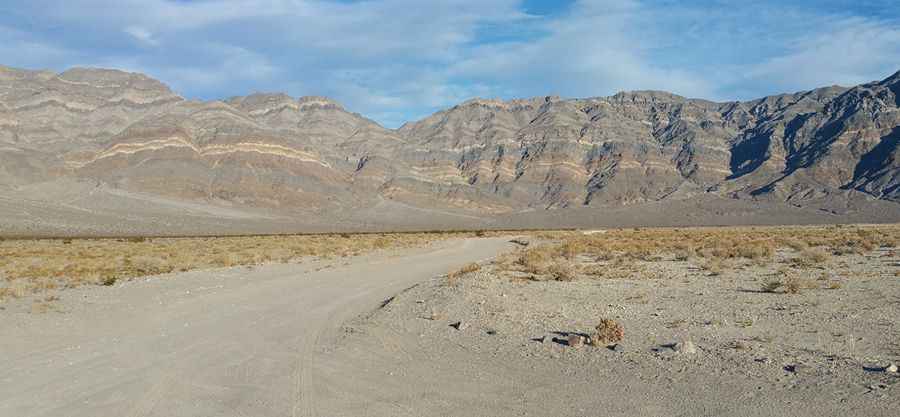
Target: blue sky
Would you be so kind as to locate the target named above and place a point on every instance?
(399, 60)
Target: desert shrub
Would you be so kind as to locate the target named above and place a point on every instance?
(149, 265)
(607, 332)
(794, 284)
(571, 249)
(757, 250)
(561, 271)
(684, 254)
(454, 276)
(535, 260)
(811, 256)
(795, 244)
(715, 266)
(595, 271)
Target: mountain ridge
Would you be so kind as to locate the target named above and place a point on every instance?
(815, 148)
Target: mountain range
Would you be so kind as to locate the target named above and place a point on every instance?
(122, 138)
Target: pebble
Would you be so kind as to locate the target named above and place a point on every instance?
(460, 325)
(685, 347)
(576, 341)
(618, 348)
(892, 368)
(796, 368)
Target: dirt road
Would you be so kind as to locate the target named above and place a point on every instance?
(238, 342)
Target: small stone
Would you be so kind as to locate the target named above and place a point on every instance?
(618, 348)
(796, 368)
(576, 341)
(685, 347)
(460, 325)
(892, 368)
(547, 340)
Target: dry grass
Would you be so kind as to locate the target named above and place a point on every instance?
(454, 276)
(624, 253)
(810, 257)
(795, 284)
(562, 271)
(35, 266)
(792, 284)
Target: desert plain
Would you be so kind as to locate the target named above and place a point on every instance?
(774, 320)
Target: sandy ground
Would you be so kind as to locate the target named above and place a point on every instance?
(820, 352)
(371, 336)
(70, 208)
(234, 342)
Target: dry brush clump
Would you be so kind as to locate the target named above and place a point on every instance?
(34, 266)
(562, 271)
(607, 332)
(791, 284)
(454, 276)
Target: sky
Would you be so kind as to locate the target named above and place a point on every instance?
(400, 60)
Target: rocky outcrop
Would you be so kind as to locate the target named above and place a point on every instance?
(491, 156)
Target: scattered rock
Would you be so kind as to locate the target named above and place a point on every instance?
(576, 341)
(491, 332)
(796, 368)
(520, 241)
(685, 347)
(892, 368)
(460, 325)
(618, 348)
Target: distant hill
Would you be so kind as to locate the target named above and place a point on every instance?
(831, 150)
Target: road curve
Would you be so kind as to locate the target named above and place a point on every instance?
(237, 342)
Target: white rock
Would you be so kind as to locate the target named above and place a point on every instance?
(460, 325)
(892, 368)
(576, 341)
(685, 347)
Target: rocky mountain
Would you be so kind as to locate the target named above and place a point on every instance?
(129, 132)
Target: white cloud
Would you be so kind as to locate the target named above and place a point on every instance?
(598, 48)
(142, 35)
(400, 59)
(848, 51)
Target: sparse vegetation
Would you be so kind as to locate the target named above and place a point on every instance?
(453, 276)
(811, 257)
(624, 253)
(35, 266)
(607, 332)
(795, 284)
(562, 271)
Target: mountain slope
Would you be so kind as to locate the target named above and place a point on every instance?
(126, 131)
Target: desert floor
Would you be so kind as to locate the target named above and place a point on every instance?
(482, 327)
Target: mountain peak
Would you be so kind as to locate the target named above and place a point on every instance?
(312, 102)
(892, 79)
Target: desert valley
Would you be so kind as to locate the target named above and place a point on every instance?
(634, 254)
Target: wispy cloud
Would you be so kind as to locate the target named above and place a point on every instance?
(400, 59)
